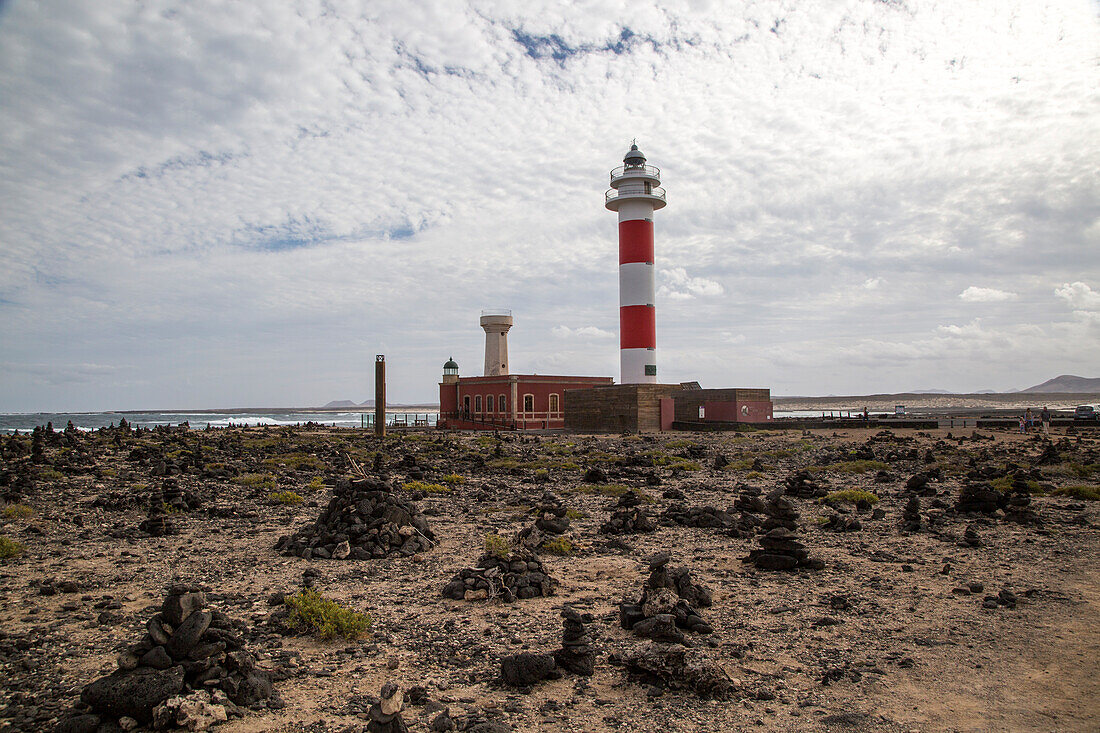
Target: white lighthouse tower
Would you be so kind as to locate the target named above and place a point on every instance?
(636, 193)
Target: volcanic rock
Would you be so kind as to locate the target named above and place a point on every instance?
(576, 654)
(979, 497)
(370, 517)
(628, 521)
(528, 668)
(518, 574)
(679, 668)
(668, 593)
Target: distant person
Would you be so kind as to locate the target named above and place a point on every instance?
(866, 416)
(1023, 424)
(1044, 417)
(1029, 420)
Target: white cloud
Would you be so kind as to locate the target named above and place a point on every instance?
(245, 202)
(974, 294)
(586, 332)
(1079, 296)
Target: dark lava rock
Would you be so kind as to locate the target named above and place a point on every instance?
(526, 669)
(369, 517)
(576, 654)
(679, 668)
(133, 693)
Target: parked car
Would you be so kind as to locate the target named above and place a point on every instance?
(1086, 412)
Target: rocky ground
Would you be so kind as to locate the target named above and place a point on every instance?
(923, 617)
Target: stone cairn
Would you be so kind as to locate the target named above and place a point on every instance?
(696, 516)
(910, 515)
(188, 659)
(1018, 502)
(385, 715)
(509, 576)
(552, 517)
(174, 499)
(365, 519)
(577, 654)
(631, 520)
(804, 485)
(666, 604)
(979, 497)
(750, 506)
(780, 545)
(157, 523)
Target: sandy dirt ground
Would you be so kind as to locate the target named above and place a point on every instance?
(887, 637)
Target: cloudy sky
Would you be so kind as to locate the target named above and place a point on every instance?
(210, 204)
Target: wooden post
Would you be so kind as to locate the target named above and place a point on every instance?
(380, 394)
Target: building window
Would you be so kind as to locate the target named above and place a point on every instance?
(528, 403)
(477, 404)
(502, 403)
(489, 404)
(466, 404)
(554, 406)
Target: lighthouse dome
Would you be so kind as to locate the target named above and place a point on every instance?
(634, 156)
(450, 366)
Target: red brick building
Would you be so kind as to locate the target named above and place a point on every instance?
(506, 401)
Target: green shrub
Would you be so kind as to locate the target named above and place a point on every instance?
(316, 484)
(312, 612)
(426, 487)
(49, 474)
(17, 511)
(1004, 484)
(681, 443)
(9, 548)
(285, 497)
(454, 478)
(1087, 493)
(851, 496)
(754, 474)
(557, 546)
(575, 513)
(860, 466)
(497, 545)
(255, 480)
(612, 490)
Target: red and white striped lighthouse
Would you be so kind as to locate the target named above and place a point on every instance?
(636, 193)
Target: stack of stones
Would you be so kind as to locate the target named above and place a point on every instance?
(918, 485)
(628, 521)
(157, 524)
(780, 545)
(365, 519)
(576, 654)
(1018, 501)
(803, 485)
(979, 497)
(552, 517)
(750, 505)
(910, 516)
(385, 715)
(519, 574)
(971, 538)
(667, 604)
(696, 516)
(186, 647)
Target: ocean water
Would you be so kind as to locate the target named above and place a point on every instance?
(10, 422)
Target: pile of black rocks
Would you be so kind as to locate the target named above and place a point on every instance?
(780, 547)
(172, 498)
(577, 655)
(804, 485)
(158, 523)
(365, 519)
(979, 497)
(632, 520)
(517, 574)
(186, 647)
(385, 715)
(679, 668)
(667, 604)
(910, 515)
(696, 516)
(1018, 502)
(552, 517)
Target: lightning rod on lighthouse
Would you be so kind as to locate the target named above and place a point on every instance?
(635, 194)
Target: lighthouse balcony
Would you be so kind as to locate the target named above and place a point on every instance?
(649, 173)
(634, 192)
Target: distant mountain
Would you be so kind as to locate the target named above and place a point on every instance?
(366, 403)
(1067, 383)
(341, 403)
(985, 391)
(930, 391)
